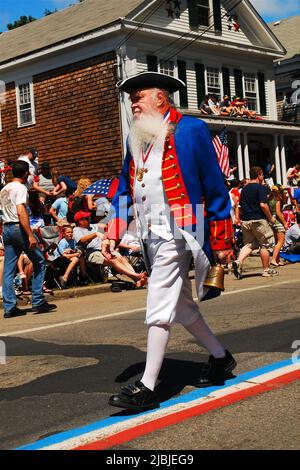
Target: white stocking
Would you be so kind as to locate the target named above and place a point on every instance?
(158, 338)
(200, 330)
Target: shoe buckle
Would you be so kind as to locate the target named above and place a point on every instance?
(130, 390)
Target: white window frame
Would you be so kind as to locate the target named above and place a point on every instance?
(256, 89)
(18, 84)
(207, 92)
(165, 70)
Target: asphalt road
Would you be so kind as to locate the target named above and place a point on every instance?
(62, 367)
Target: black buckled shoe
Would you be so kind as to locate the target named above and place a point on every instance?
(216, 372)
(15, 312)
(45, 307)
(135, 397)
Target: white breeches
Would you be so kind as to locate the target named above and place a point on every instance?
(170, 297)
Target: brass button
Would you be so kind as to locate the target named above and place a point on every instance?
(143, 185)
(176, 175)
(149, 225)
(178, 185)
(182, 195)
(146, 170)
(174, 166)
(144, 198)
(171, 157)
(170, 147)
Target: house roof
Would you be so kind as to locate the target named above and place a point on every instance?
(288, 32)
(63, 25)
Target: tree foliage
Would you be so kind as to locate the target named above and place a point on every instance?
(20, 22)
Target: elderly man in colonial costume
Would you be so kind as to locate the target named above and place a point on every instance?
(172, 179)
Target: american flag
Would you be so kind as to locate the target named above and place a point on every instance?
(221, 147)
(106, 187)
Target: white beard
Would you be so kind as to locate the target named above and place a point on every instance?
(149, 128)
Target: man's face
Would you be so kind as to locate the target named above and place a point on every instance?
(84, 223)
(142, 102)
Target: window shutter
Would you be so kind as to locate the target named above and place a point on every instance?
(217, 15)
(193, 13)
(182, 76)
(152, 63)
(262, 93)
(226, 81)
(200, 79)
(238, 78)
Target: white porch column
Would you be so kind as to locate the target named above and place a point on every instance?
(246, 155)
(240, 156)
(283, 160)
(277, 159)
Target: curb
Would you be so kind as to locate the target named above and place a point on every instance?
(71, 293)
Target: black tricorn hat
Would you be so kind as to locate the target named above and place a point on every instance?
(145, 80)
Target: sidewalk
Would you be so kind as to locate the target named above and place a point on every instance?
(251, 266)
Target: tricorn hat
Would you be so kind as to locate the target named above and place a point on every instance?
(145, 80)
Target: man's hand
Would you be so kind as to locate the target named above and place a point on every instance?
(32, 242)
(108, 247)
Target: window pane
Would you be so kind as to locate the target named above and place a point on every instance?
(25, 106)
(167, 67)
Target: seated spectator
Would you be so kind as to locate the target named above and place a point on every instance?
(1, 255)
(59, 210)
(130, 240)
(292, 238)
(204, 106)
(296, 198)
(246, 111)
(225, 107)
(70, 256)
(36, 211)
(25, 269)
(214, 105)
(89, 237)
(64, 183)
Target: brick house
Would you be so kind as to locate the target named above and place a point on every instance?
(60, 74)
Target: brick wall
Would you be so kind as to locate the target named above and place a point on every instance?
(77, 126)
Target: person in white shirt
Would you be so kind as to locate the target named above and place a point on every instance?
(18, 237)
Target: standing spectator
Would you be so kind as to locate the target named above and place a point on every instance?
(64, 183)
(30, 156)
(270, 174)
(255, 215)
(293, 175)
(279, 226)
(18, 237)
(45, 181)
(36, 211)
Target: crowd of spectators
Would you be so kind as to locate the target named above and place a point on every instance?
(56, 203)
(236, 107)
(278, 206)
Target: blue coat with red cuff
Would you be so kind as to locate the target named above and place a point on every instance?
(191, 176)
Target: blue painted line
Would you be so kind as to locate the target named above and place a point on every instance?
(188, 397)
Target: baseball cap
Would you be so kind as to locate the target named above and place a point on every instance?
(81, 215)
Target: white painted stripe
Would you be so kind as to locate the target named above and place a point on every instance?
(128, 312)
(156, 414)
